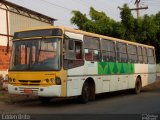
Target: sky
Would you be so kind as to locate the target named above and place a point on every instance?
(61, 9)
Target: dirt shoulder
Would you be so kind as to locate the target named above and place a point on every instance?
(153, 86)
(5, 97)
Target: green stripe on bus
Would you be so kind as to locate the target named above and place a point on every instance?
(115, 68)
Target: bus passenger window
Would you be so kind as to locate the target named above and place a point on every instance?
(78, 50)
(73, 56)
(88, 55)
(151, 56)
(108, 50)
(122, 52)
(144, 53)
(132, 53)
(140, 56)
(92, 48)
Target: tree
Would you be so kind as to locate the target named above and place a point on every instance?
(99, 22)
(127, 21)
(78, 19)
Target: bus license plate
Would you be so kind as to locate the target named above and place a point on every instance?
(28, 91)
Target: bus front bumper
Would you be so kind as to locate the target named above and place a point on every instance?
(49, 91)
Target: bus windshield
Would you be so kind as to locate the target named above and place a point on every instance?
(36, 55)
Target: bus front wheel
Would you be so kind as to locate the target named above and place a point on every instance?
(45, 99)
(84, 98)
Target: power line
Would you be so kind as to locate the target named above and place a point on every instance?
(56, 5)
(82, 3)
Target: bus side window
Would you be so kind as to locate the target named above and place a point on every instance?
(151, 56)
(122, 52)
(78, 50)
(144, 53)
(92, 48)
(73, 56)
(71, 45)
(140, 56)
(88, 55)
(108, 50)
(132, 53)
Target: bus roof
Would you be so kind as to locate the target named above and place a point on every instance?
(67, 29)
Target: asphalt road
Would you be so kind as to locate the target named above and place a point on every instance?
(147, 102)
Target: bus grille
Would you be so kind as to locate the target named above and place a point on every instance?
(30, 82)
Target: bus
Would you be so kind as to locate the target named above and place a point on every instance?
(63, 62)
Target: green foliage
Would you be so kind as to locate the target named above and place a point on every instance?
(127, 18)
(144, 30)
(78, 19)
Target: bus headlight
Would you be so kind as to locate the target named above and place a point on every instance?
(14, 80)
(58, 81)
(52, 80)
(10, 80)
(47, 80)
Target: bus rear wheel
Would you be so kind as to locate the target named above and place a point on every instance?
(138, 86)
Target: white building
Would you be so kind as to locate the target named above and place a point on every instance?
(13, 18)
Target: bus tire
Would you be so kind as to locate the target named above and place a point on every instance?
(92, 92)
(138, 86)
(45, 99)
(84, 98)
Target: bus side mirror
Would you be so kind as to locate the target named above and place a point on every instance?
(71, 45)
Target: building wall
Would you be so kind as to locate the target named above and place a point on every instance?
(3, 28)
(4, 57)
(19, 22)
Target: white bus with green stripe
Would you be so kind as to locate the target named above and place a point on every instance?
(87, 64)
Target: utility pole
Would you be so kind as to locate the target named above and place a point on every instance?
(137, 6)
(137, 2)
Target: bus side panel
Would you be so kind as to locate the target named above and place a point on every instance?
(91, 70)
(152, 73)
(106, 83)
(131, 81)
(75, 81)
(123, 82)
(120, 82)
(114, 83)
(142, 70)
